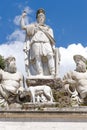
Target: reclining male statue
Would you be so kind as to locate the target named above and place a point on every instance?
(76, 81)
(11, 81)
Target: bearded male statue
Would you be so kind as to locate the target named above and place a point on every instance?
(11, 81)
(76, 80)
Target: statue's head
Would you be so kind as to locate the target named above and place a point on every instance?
(40, 16)
(80, 63)
(10, 64)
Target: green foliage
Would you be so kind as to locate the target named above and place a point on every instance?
(2, 62)
(62, 98)
(86, 64)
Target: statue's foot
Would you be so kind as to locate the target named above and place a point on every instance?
(39, 75)
(53, 75)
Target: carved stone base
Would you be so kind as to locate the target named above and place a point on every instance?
(38, 106)
(53, 83)
(59, 94)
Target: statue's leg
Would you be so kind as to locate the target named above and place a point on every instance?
(51, 63)
(36, 54)
(3, 97)
(39, 65)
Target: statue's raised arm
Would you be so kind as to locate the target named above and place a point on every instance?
(22, 21)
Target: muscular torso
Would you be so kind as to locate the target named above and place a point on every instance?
(81, 79)
(11, 81)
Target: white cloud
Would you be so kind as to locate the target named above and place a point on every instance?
(17, 35)
(14, 49)
(67, 63)
(17, 20)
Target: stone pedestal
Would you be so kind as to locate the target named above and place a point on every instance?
(53, 83)
(59, 94)
(75, 114)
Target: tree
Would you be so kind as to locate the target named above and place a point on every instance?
(2, 62)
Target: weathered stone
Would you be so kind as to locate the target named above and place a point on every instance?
(53, 83)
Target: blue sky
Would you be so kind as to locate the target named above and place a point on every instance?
(68, 18)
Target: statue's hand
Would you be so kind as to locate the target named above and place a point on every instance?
(24, 14)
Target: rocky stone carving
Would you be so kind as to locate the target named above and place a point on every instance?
(41, 56)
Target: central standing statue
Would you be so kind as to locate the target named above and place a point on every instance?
(39, 46)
